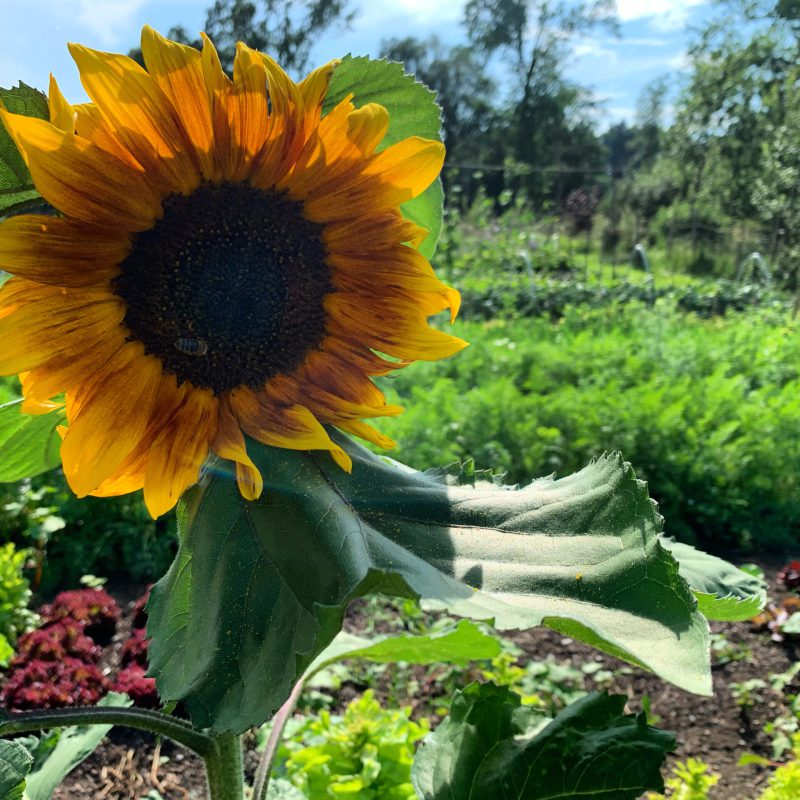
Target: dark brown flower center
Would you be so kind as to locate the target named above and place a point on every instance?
(228, 288)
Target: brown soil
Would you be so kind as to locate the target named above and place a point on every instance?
(130, 764)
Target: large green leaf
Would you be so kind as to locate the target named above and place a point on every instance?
(259, 589)
(16, 185)
(74, 745)
(15, 763)
(412, 112)
(460, 645)
(590, 750)
(29, 444)
(724, 592)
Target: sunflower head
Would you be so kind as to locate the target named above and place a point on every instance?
(225, 261)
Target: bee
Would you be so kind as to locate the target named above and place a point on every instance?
(191, 347)
(578, 576)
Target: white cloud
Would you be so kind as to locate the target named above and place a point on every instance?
(665, 15)
(106, 20)
(422, 12)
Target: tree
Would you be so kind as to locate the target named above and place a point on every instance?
(286, 29)
(463, 89)
(533, 37)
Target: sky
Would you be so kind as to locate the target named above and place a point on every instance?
(655, 34)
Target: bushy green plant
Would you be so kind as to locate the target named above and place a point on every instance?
(691, 780)
(15, 594)
(366, 754)
(784, 783)
(707, 410)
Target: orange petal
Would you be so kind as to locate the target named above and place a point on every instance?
(59, 251)
(392, 177)
(178, 71)
(291, 427)
(112, 420)
(56, 325)
(62, 115)
(141, 115)
(229, 443)
(178, 453)
(80, 179)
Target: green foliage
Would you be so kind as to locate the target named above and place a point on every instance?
(320, 537)
(412, 112)
(366, 754)
(458, 645)
(708, 411)
(74, 536)
(691, 780)
(784, 783)
(487, 748)
(15, 763)
(16, 185)
(30, 444)
(544, 686)
(15, 595)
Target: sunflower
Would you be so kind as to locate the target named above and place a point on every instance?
(225, 261)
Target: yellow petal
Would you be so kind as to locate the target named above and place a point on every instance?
(59, 251)
(366, 432)
(372, 233)
(219, 89)
(56, 325)
(392, 177)
(178, 453)
(229, 443)
(62, 115)
(396, 327)
(292, 427)
(66, 370)
(141, 115)
(313, 89)
(178, 71)
(80, 179)
(112, 420)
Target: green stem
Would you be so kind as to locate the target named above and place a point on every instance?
(154, 721)
(225, 769)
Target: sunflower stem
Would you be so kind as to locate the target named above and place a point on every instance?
(143, 719)
(225, 769)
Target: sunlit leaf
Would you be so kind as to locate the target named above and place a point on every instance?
(259, 589)
(16, 185)
(29, 444)
(412, 112)
(460, 645)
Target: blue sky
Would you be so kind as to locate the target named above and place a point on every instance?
(35, 32)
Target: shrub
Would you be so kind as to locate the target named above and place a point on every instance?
(789, 575)
(95, 609)
(141, 689)
(134, 650)
(54, 684)
(56, 642)
(15, 594)
(139, 613)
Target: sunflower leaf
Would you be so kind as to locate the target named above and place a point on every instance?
(29, 445)
(591, 749)
(256, 583)
(16, 184)
(413, 111)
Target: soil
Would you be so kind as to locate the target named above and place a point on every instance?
(131, 765)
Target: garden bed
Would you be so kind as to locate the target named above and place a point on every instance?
(131, 765)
